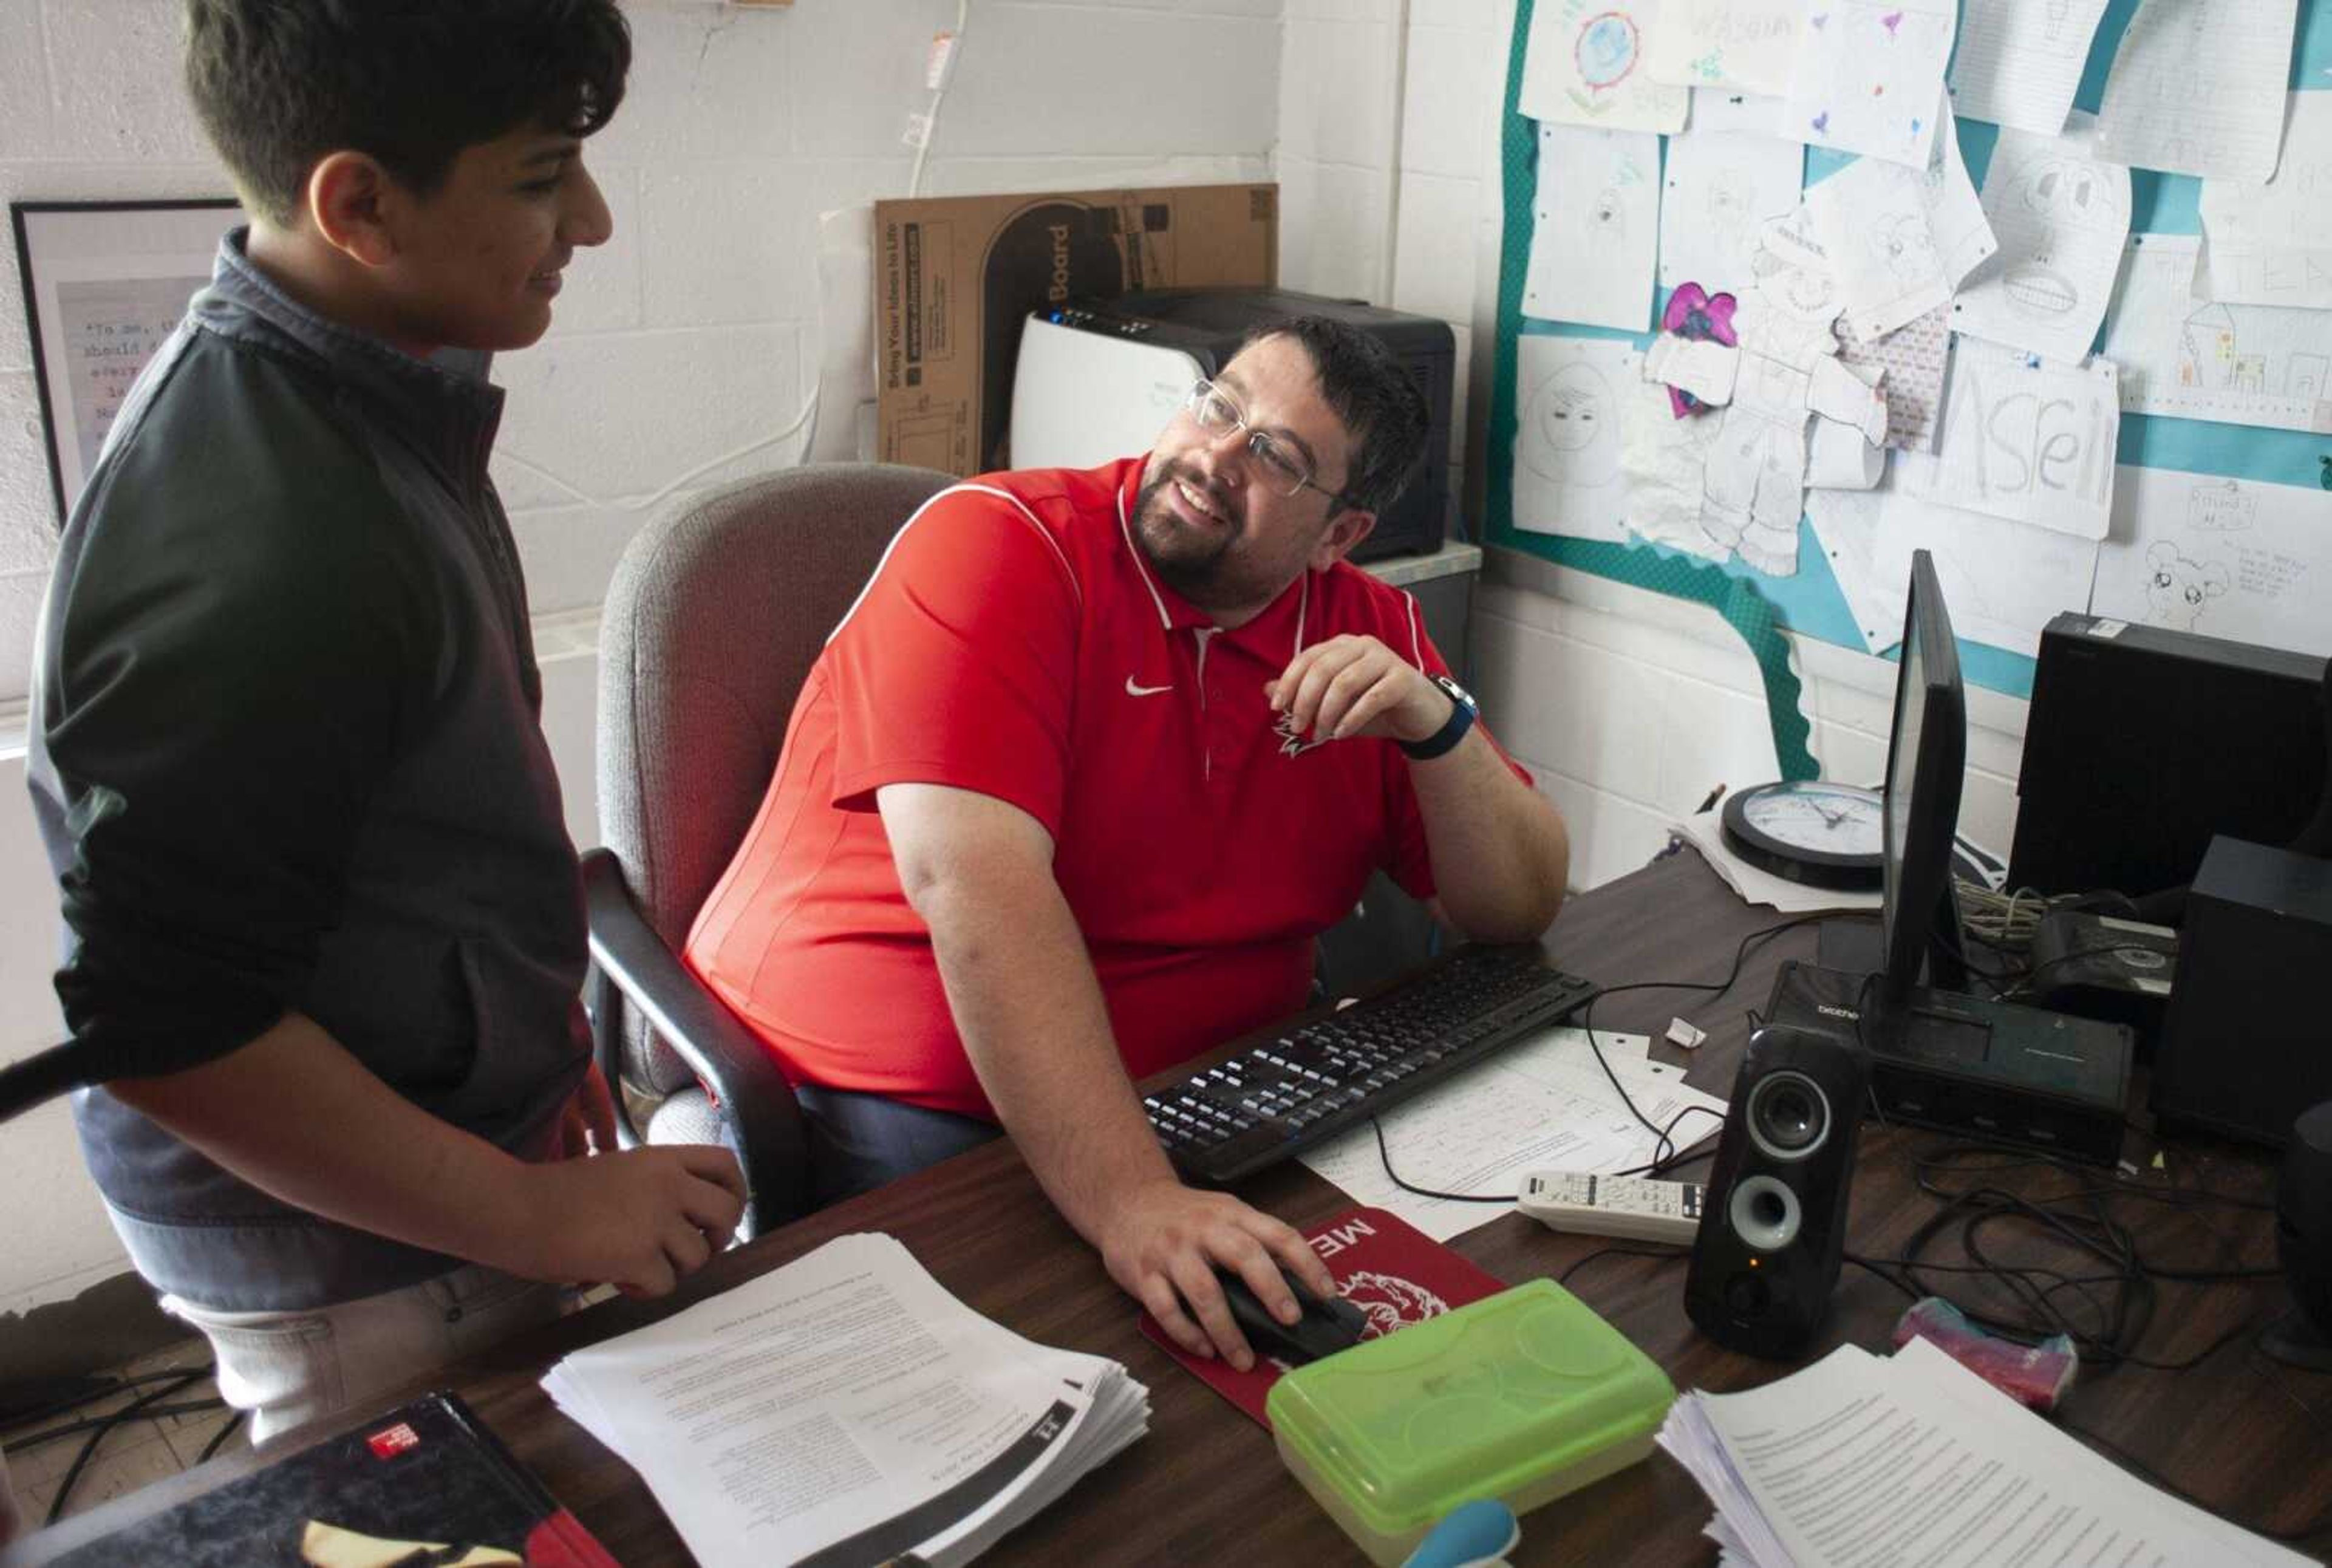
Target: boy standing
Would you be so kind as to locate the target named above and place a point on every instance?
(326, 929)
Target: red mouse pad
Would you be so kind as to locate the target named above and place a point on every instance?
(1391, 1271)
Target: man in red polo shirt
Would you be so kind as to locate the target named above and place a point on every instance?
(1075, 786)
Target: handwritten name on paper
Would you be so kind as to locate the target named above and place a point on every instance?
(2032, 442)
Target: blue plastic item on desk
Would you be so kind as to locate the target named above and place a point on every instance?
(1472, 1534)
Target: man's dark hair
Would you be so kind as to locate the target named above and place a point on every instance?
(282, 83)
(1366, 387)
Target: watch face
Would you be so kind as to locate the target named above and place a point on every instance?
(1826, 835)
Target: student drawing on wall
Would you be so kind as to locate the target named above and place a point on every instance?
(2211, 356)
(2222, 507)
(1608, 219)
(1725, 212)
(1905, 246)
(2177, 589)
(1605, 56)
(2079, 212)
(1572, 431)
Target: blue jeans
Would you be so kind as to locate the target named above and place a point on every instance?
(859, 1142)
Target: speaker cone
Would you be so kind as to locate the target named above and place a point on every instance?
(1764, 1213)
(1789, 1115)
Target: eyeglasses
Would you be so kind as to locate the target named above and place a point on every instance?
(1284, 467)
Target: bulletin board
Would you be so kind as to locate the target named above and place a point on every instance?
(1810, 603)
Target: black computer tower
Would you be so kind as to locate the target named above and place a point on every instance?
(2245, 1047)
(2143, 742)
(1210, 324)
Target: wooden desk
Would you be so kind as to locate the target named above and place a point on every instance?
(1205, 1486)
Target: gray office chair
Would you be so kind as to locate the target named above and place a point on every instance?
(716, 613)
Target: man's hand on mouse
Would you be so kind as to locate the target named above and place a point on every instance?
(1162, 1242)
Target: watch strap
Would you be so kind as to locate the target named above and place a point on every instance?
(1460, 720)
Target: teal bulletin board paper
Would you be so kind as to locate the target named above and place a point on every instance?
(1735, 597)
(1810, 604)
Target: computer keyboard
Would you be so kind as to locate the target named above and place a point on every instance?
(1318, 1078)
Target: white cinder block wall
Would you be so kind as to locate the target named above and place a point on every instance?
(1628, 706)
(694, 333)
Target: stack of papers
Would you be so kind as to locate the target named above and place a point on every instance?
(846, 1408)
(1914, 1458)
(1542, 1104)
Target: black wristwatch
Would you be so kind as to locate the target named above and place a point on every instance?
(1462, 709)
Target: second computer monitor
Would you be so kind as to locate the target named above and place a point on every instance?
(1927, 752)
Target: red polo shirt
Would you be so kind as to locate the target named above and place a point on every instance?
(1015, 642)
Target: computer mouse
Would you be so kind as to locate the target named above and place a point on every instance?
(1324, 1328)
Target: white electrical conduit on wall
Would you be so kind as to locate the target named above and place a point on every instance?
(941, 72)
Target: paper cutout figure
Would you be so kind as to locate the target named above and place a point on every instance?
(2061, 214)
(1699, 317)
(1785, 372)
(1567, 449)
(1663, 459)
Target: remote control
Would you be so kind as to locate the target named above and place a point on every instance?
(1629, 1206)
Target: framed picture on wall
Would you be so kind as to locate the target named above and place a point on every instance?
(105, 283)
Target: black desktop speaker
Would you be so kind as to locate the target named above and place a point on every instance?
(2245, 1040)
(2303, 1244)
(1773, 1218)
(2143, 742)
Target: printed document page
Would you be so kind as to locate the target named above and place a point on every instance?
(1540, 1105)
(1862, 1460)
(846, 1402)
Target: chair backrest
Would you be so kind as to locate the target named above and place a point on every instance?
(717, 611)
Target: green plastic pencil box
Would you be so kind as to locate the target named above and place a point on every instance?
(1522, 1396)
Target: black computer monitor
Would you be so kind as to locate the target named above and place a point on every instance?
(1926, 755)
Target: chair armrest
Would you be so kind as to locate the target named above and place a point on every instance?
(754, 1097)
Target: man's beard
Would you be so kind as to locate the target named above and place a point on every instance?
(1194, 567)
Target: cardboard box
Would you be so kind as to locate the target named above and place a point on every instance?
(956, 276)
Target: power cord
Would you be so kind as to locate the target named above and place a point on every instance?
(150, 1405)
(2106, 1311)
(1664, 1153)
(2006, 921)
(145, 1406)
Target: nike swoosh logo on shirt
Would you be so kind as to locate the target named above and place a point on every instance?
(1133, 691)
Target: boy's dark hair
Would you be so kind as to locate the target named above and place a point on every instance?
(282, 83)
(1366, 387)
